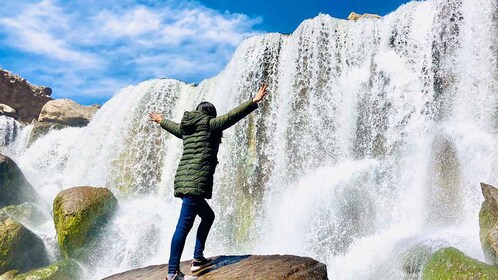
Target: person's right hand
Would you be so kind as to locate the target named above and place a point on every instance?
(155, 117)
(261, 94)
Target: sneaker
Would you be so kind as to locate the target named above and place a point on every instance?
(177, 276)
(198, 265)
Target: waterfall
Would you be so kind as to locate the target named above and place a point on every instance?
(371, 133)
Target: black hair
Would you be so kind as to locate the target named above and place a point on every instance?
(207, 108)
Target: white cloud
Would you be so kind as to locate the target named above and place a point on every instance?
(107, 45)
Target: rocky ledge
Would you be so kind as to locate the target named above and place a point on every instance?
(271, 267)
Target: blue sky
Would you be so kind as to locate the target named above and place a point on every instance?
(86, 50)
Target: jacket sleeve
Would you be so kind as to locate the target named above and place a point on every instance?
(236, 114)
(172, 127)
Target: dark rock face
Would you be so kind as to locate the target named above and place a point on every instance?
(20, 249)
(79, 213)
(14, 188)
(488, 218)
(274, 267)
(25, 98)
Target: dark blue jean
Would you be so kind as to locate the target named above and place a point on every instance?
(191, 207)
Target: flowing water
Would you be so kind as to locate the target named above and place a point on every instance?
(366, 155)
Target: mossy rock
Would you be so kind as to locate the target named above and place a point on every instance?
(80, 213)
(26, 213)
(14, 188)
(488, 218)
(20, 249)
(450, 263)
(61, 270)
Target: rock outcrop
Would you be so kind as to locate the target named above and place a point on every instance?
(14, 188)
(354, 16)
(274, 267)
(79, 214)
(20, 249)
(450, 263)
(67, 112)
(488, 227)
(25, 98)
(8, 111)
(61, 270)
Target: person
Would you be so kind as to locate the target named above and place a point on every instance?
(201, 132)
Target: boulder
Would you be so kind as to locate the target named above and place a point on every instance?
(25, 98)
(65, 269)
(67, 112)
(43, 128)
(273, 267)
(14, 188)
(354, 16)
(450, 263)
(8, 111)
(26, 213)
(79, 215)
(20, 249)
(488, 218)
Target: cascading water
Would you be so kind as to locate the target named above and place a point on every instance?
(367, 154)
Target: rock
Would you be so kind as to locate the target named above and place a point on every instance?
(43, 128)
(14, 188)
(67, 112)
(274, 267)
(354, 16)
(65, 269)
(488, 218)
(450, 263)
(8, 111)
(26, 213)
(79, 214)
(415, 259)
(25, 98)
(20, 249)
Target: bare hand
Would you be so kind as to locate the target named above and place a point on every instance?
(261, 94)
(155, 117)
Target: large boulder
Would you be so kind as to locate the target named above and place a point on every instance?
(14, 188)
(25, 98)
(488, 227)
(79, 215)
(450, 263)
(61, 270)
(67, 112)
(273, 267)
(8, 111)
(20, 249)
(354, 16)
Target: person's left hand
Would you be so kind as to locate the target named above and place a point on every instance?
(155, 117)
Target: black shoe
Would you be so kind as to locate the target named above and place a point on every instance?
(177, 276)
(198, 265)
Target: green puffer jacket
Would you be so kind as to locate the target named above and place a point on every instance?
(201, 136)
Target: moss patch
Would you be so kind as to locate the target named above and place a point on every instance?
(450, 263)
(62, 270)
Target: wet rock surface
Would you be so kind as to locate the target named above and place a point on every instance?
(271, 267)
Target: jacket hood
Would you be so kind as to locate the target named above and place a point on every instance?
(191, 120)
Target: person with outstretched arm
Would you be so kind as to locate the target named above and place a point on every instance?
(201, 132)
